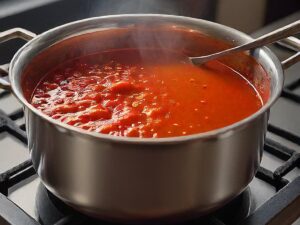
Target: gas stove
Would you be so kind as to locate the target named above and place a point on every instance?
(273, 197)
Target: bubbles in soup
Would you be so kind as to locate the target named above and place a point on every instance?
(149, 95)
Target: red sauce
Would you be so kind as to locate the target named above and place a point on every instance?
(144, 94)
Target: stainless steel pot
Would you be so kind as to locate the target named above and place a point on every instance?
(133, 179)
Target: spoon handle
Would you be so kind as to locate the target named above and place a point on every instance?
(268, 38)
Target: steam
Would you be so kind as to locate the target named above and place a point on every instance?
(110, 7)
(142, 38)
(193, 8)
(159, 39)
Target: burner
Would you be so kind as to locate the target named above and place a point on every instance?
(50, 210)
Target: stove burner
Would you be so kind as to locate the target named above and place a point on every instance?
(50, 210)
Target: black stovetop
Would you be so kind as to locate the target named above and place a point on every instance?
(272, 197)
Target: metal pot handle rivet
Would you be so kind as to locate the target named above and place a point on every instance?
(8, 35)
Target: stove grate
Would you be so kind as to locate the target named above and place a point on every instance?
(287, 192)
(288, 91)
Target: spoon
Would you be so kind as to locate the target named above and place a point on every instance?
(268, 38)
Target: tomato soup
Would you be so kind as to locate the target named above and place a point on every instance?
(144, 93)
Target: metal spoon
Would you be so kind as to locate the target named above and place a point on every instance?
(268, 38)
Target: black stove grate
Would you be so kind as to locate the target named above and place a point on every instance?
(288, 91)
(287, 192)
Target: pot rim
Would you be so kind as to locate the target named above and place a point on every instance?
(216, 133)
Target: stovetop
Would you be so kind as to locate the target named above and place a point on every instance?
(272, 197)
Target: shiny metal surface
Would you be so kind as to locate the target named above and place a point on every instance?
(6, 36)
(16, 33)
(292, 43)
(136, 181)
(264, 40)
(291, 60)
(132, 179)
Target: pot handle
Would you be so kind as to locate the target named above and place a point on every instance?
(292, 43)
(8, 35)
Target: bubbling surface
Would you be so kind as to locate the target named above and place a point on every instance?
(144, 93)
